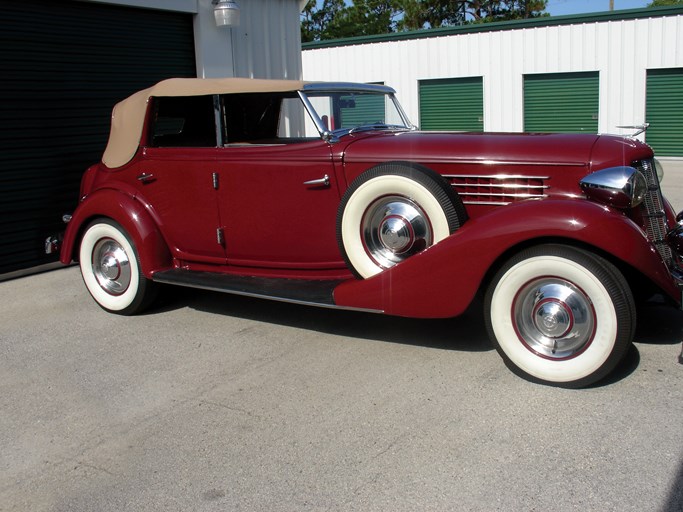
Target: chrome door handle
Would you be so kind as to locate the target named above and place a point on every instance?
(320, 182)
(146, 178)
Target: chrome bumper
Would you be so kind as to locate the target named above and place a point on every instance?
(53, 243)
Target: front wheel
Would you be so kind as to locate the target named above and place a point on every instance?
(110, 267)
(560, 315)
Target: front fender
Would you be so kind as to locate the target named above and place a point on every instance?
(131, 215)
(442, 281)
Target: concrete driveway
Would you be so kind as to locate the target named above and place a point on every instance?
(215, 402)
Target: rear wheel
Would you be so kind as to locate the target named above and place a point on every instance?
(560, 315)
(111, 271)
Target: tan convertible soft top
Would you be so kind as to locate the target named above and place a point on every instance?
(128, 116)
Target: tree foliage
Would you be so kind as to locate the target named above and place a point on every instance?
(662, 3)
(332, 19)
(443, 13)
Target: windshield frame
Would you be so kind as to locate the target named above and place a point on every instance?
(317, 89)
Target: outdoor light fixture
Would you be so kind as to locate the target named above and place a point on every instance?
(227, 13)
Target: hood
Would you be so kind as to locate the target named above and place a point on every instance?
(513, 148)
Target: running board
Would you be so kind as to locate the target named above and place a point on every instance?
(318, 293)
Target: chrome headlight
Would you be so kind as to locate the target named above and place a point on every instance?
(620, 187)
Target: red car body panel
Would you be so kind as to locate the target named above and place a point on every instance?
(279, 227)
(131, 215)
(433, 283)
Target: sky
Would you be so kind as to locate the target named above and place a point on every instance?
(561, 7)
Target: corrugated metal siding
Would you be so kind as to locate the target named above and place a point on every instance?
(452, 104)
(620, 50)
(561, 102)
(665, 111)
(64, 65)
(267, 44)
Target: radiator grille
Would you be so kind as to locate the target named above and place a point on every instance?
(652, 210)
(497, 190)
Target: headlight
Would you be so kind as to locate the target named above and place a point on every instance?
(660, 170)
(620, 187)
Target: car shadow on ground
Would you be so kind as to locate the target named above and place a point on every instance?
(659, 324)
(656, 324)
(466, 332)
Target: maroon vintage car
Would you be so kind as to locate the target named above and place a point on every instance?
(325, 194)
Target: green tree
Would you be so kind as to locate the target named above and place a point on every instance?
(661, 3)
(443, 13)
(319, 23)
(333, 19)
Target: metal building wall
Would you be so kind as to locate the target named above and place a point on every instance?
(267, 44)
(620, 50)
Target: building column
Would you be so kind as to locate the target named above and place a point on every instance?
(213, 45)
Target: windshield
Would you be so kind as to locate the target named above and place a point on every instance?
(346, 112)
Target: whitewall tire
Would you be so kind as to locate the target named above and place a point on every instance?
(111, 271)
(560, 315)
(392, 212)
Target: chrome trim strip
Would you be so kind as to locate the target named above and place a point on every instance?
(504, 185)
(487, 203)
(346, 86)
(497, 176)
(320, 126)
(402, 112)
(497, 186)
(525, 196)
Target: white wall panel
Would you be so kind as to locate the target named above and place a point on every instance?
(267, 44)
(620, 50)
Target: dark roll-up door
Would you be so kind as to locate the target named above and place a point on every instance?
(64, 64)
(452, 104)
(665, 111)
(561, 102)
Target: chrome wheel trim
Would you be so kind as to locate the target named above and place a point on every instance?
(554, 318)
(394, 228)
(111, 266)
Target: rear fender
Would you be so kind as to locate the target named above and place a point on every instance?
(131, 215)
(442, 281)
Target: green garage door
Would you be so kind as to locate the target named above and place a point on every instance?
(665, 111)
(362, 109)
(561, 102)
(452, 104)
(64, 65)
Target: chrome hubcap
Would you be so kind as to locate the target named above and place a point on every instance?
(111, 266)
(554, 318)
(394, 228)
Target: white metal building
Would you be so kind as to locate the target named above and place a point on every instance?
(65, 63)
(591, 72)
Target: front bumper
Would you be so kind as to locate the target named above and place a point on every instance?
(53, 243)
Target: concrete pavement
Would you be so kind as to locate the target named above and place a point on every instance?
(672, 186)
(214, 402)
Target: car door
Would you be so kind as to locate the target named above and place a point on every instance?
(176, 177)
(278, 192)
(278, 206)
